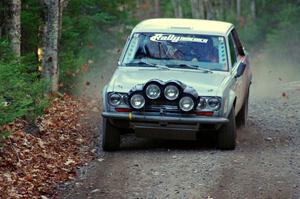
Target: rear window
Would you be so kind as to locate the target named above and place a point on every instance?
(205, 51)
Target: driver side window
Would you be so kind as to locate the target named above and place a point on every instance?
(233, 50)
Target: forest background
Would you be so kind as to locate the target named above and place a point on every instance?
(49, 47)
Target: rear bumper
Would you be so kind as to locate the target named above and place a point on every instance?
(160, 118)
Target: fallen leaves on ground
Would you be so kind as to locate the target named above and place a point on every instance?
(31, 165)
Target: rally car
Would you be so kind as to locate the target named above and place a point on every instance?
(175, 79)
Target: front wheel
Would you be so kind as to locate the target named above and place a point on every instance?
(226, 137)
(110, 136)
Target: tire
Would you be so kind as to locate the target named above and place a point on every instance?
(110, 136)
(241, 119)
(226, 137)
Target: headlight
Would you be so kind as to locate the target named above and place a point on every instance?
(214, 103)
(186, 104)
(202, 103)
(114, 99)
(137, 101)
(171, 92)
(152, 91)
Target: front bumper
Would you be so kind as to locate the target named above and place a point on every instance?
(133, 117)
(165, 127)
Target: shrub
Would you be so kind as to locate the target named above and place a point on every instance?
(21, 89)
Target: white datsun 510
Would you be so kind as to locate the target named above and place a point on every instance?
(175, 79)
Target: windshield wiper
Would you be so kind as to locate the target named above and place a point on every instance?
(196, 67)
(161, 66)
(150, 64)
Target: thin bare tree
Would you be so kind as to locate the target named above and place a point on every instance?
(198, 9)
(238, 9)
(253, 9)
(156, 8)
(210, 9)
(177, 8)
(4, 7)
(15, 26)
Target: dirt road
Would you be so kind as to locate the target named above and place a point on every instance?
(265, 164)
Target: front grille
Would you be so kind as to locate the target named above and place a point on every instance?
(164, 108)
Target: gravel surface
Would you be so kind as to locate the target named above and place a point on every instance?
(265, 164)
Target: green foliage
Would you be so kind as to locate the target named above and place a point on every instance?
(275, 28)
(30, 24)
(254, 34)
(92, 29)
(283, 42)
(21, 90)
(6, 55)
(85, 36)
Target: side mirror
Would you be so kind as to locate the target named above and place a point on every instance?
(240, 70)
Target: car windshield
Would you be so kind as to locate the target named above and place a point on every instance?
(191, 51)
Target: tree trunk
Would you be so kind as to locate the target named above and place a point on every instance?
(210, 11)
(63, 5)
(138, 8)
(223, 9)
(194, 6)
(253, 9)
(147, 8)
(2, 17)
(51, 36)
(228, 4)
(238, 9)
(177, 8)
(157, 8)
(15, 27)
(218, 6)
(198, 9)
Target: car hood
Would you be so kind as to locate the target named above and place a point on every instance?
(206, 84)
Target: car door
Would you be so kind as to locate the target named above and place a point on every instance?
(237, 58)
(247, 75)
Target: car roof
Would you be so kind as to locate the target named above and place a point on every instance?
(184, 26)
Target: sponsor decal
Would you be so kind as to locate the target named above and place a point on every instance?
(174, 38)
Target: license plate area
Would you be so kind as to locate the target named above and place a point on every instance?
(166, 125)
